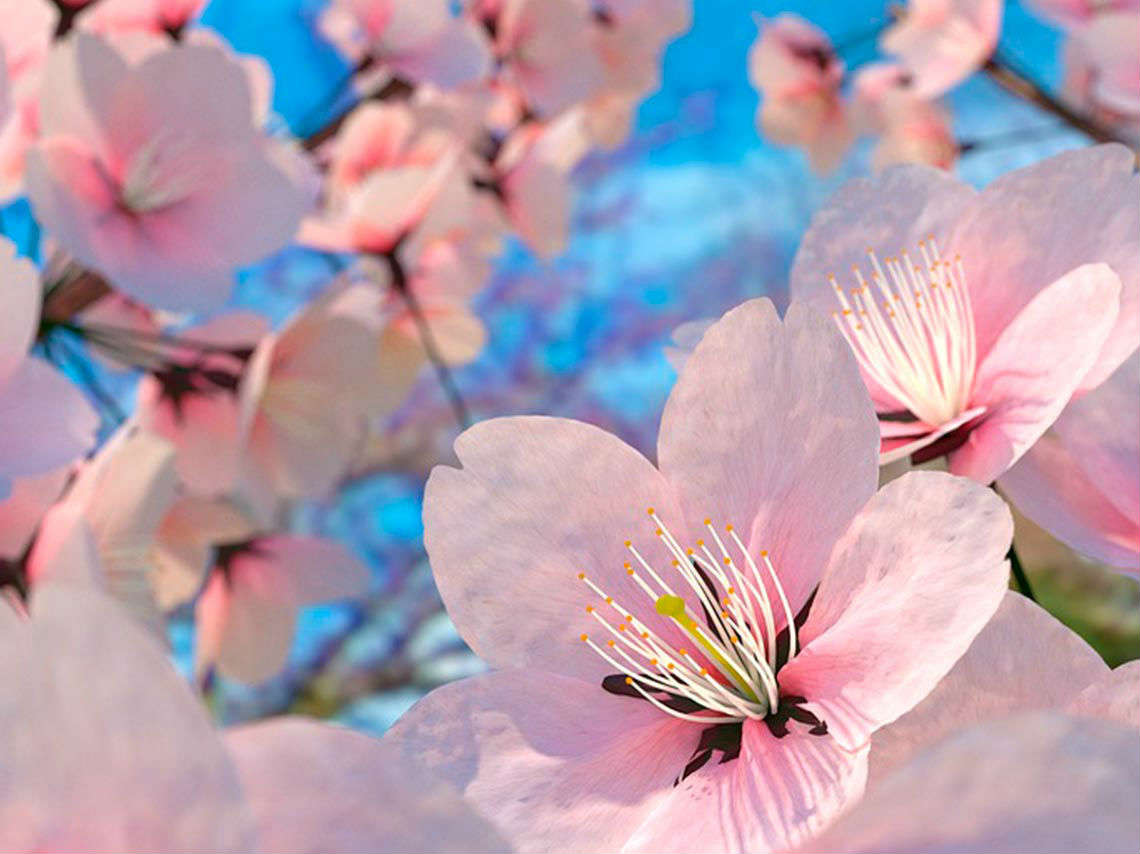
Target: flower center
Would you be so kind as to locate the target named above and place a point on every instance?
(158, 176)
(716, 594)
(912, 329)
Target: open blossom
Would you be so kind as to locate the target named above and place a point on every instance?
(655, 690)
(798, 75)
(547, 52)
(44, 419)
(416, 40)
(141, 768)
(991, 310)
(1081, 481)
(941, 42)
(910, 128)
(168, 202)
(1036, 782)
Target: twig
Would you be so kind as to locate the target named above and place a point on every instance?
(1019, 574)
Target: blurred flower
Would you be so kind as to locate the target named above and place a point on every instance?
(910, 128)
(169, 203)
(1081, 480)
(941, 42)
(153, 16)
(24, 42)
(1072, 13)
(534, 522)
(1038, 782)
(417, 40)
(44, 419)
(797, 73)
(950, 341)
(1102, 70)
(107, 750)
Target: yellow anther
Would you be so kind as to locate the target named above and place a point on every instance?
(650, 511)
(669, 666)
(653, 662)
(704, 672)
(659, 532)
(610, 642)
(728, 528)
(629, 680)
(700, 544)
(629, 572)
(763, 553)
(708, 521)
(628, 543)
(609, 600)
(682, 651)
(732, 591)
(589, 609)
(585, 636)
(727, 561)
(688, 551)
(676, 562)
(621, 627)
(581, 576)
(645, 634)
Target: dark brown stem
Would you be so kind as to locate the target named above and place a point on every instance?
(69, 298)
(1016, 82)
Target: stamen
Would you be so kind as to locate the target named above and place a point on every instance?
(912, 329)
(730, 672)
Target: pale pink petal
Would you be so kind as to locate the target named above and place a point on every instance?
(941, 42)
(44, 419)
(308, 570)
(1033, 783)
(1115, 696)
(555, 763)
(104, 747)
(912, 582)
(1024, 385)
(314, 787)
(900, 440)
(19, 308)
(1033, 226)
(1024, 660)
(780, 792)
(536, 502)
(459, 53)
(769, 429)
(22, 510)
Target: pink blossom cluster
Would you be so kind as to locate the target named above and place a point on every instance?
(791, 630)
(811, 100)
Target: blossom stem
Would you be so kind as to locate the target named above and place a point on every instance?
(1019, 574)
(1007, 75)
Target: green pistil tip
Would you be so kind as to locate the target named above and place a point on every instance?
(671, 606)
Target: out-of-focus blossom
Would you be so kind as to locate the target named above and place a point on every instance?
(24, 42)
(44, 419)
(951, 332)
(107, 750)
(1024, 660)
(1081, 481)
(723, 738)
(1038, 782)
(417, 40)
(941, 42)
(1102, 69)
(247, 612)
(1072, 13)
(797, 73)
(910, 128)
(152, 16)
(548, 52)
(102, 533)
(157, 178)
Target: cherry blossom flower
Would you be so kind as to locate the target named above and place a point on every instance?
(1072, 13)
(24, 43)
(548, 52)
(153, 16)
(418, 40)
(941, 42)
(45, 420)
(1102, 73)
(1037, 782)
(170, 203)
(247, 612)
(1081, 480)
(910, 129)
(951, 331)
(661, 695)
(107, 750)
(797, 73)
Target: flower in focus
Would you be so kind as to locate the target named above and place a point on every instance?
(798, 75)
(157, 177)
(415, 40)
(1037, 782)
(668, 681)
(105, 749)
(44, 419)
(997, 308)
(941, 42)
(1081, 480)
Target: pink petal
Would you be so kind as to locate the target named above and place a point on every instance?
(901, 445)
(1032, 783)
(769, 429)
(536, 502)
(909, 586)
(19, 308)
(1023, 383)
(1023, 660)
(780, 792)
(104, 747)
(555, 763)
(44, 419)
(941, 43)
(1115, 696)
(21, 510)
(243, 629)
(458, 54)
(1033, 226)
(306, 570)
(316, 787)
